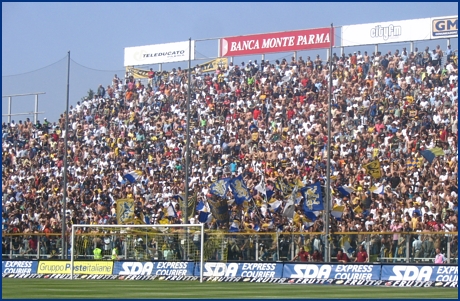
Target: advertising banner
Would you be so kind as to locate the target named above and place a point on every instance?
(158, 54)
(386, 32)
(80, 267)
(276, 42)
(19, 267)
(210, 66)
(444, 27)
(154, 268)
(420, 273)
(260, 270)
(332, 271)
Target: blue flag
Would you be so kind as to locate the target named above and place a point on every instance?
(313, 197)
(220, 187)
(239, 190)
(203, 216)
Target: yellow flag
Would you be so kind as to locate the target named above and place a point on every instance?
(373, 169)
(125, 211)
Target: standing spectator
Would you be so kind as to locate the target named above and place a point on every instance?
(361, 256)
(439, 258)
(303, 255)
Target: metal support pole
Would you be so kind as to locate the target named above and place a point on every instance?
(263, 57)
(407, 248)
(376, 48)
(368, 244)
(231, 59)
(292, 246)
(448, 248)
(411, 47)
(201, 252)
(295, 55)
(187, 147)
(342, 51)
(160, 67)
(327, 203)
(72, 252)
(11, 248)
(257, 248)
(448, 42)
(277, 246)
(9, 109)
(38, 248)
(64, 197)
(36, 109)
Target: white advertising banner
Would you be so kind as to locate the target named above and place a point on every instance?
(444, 27)
(386, 32)
(158, 54)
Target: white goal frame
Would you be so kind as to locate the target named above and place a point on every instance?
(201, 226)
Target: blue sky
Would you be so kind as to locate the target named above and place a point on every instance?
(36, 35)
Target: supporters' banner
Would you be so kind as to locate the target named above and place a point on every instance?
(332, 271)
(444, 27)
(430, 154)
(191, 204)
(386, 32)
(373, 169)
(138, 73)
(239, 190)
(420, 273)
(220, 269)
(159, 53)
(289, 208)
(313, 197)
(205, 67)
(219, 210)
(287, 41)
(220, 187)
(95, 267)
(214, 64)
(125, 211)
(337, 212)
(154, 268)
(133, 176)
(19, 267)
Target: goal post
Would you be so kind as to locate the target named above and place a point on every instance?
(149, 243)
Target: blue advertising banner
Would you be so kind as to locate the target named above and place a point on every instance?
(153, 268)
(220, 269)
(19, 267)
(332, 271)
(420, 273)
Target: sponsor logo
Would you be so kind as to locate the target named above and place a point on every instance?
(19, 267)
(250, 270)
(311, 271)
(411, 273)
(276, 42)
(80, 267)
(444, 27)
(136, 268)
(385, 32)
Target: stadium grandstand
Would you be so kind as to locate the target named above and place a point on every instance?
(264, 123)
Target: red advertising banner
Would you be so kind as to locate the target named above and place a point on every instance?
(276, 42)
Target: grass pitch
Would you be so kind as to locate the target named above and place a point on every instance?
(118, 289)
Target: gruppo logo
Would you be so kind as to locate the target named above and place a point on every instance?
(445, 27)
(385, 32)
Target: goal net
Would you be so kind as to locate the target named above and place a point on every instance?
(140, 249)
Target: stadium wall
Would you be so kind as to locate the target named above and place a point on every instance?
(301, 273)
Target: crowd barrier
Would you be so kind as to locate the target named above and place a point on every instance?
(308, 273)
(226, 247)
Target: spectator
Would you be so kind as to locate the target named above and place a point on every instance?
(439, 258)
(342, 257)
(361, 256)
(303, 255)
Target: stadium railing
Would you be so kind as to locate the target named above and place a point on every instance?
(243, 246)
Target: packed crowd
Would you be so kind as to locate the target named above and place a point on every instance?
(263, 120)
